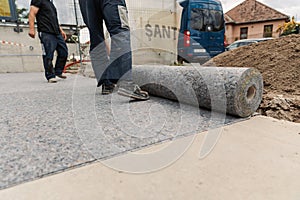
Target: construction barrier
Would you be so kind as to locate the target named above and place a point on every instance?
(12, 43)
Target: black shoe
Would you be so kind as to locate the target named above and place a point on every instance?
(133, 91)
(63, 76)
(107, 89)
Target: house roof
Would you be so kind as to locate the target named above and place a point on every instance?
(253, 11)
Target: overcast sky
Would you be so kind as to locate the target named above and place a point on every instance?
(66, 7)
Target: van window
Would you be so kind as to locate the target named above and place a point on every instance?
(207, 20)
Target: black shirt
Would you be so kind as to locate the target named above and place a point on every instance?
(46, 17)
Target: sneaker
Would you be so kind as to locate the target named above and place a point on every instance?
(107, 89)
(52, 80)
(133, 91)
(63, 76)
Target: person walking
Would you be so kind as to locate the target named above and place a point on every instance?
(114, 70)
(51, 35)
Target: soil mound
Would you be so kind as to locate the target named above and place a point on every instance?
(278, 60)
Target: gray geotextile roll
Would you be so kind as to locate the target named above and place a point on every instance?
(236, 91)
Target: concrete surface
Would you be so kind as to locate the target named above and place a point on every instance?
(47, 131)
(254, 159)
(49, 128)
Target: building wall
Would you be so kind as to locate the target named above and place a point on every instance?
(154, 30)
(255, 30)
(154, 36)
(19, 52)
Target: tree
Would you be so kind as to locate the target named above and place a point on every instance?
(22, 13)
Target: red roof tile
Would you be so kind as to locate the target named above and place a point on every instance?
(253, 11)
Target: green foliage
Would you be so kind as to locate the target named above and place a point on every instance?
(22, 13)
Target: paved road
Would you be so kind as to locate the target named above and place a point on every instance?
(254, 159)
(48, 128)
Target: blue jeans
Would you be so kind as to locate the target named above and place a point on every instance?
(50, 44)
(114, 14)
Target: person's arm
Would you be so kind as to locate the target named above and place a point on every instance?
(63, 33)
(31, 18)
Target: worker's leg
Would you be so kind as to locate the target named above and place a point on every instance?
(92, 15)
(116, 19)
(49, 43)
(62, 55)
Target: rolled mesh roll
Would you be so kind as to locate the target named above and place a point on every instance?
(235, 91)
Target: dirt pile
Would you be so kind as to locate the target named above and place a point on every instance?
(279, 62)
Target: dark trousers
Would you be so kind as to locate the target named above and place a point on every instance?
(50, 44)
(114, 13)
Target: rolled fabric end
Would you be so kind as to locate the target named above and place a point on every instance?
(248, 94)
(236, 91)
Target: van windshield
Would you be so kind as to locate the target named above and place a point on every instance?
(207, 20)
